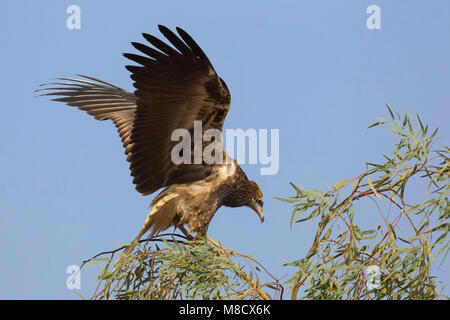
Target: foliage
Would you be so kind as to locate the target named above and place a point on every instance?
(402, 248)
(196, 269)
(389, 259)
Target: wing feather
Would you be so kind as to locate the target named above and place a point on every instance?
(98, 98)
(175, 86)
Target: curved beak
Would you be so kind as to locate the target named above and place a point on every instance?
(259, 210)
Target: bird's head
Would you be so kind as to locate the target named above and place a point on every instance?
(255, 199)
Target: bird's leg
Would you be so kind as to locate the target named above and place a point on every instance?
(185, 232)
(190, 237)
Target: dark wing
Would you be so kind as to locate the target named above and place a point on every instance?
(100, 99)
(174, 87)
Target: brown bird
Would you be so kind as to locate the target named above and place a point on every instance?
(175, 86)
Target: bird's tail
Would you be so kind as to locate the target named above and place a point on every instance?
(129, 249)
(159, 218)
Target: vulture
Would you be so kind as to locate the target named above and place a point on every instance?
(175, 85)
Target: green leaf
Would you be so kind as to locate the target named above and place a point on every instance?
(79, 294)
(421, 124)
(286, 200)
(390, 112)
(405, 120)
(339, 184)
(379, 122)
(433, 134)
(404, 240)
(372, 187)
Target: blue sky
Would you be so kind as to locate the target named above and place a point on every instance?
(311, 69)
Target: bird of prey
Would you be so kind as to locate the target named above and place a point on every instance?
(175, 85)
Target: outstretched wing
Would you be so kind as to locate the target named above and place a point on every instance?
(174, 87)
(100, 99)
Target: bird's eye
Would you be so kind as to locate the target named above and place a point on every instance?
(259, 202)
